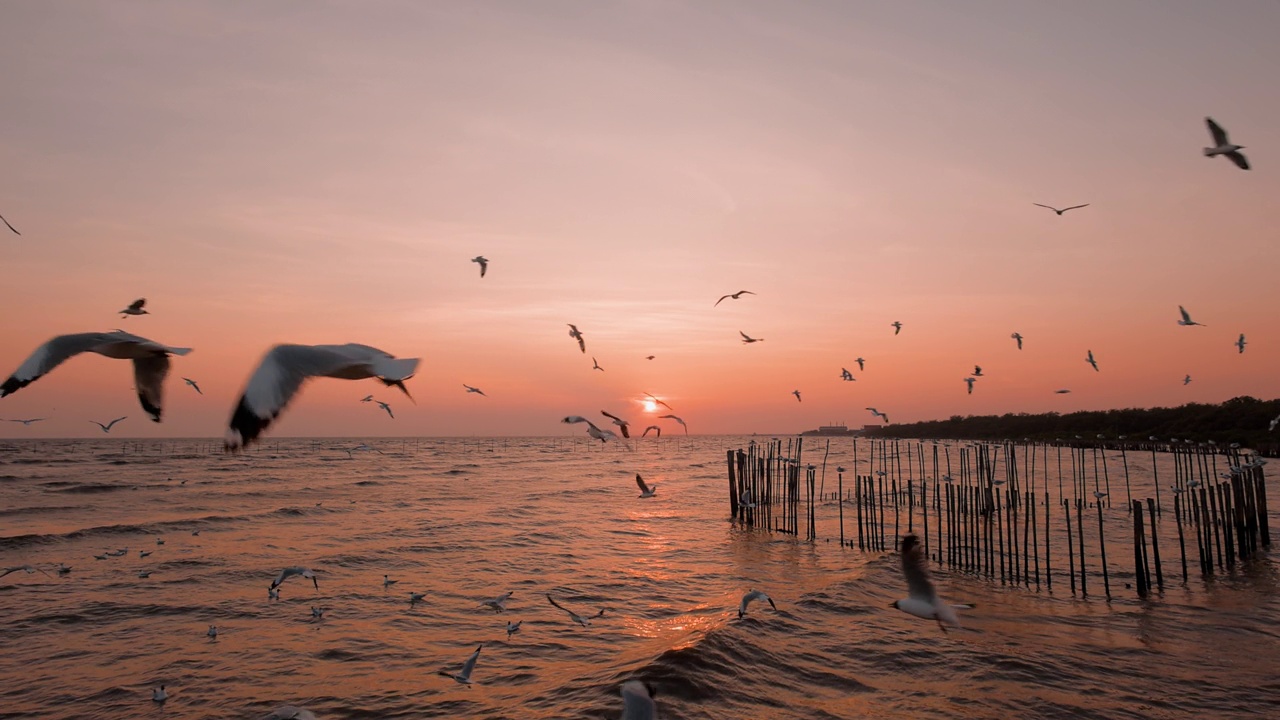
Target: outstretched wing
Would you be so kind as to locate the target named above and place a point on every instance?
(274, 383)
(148, 375)
(470, 664)
(137, 304)
(1219, 135)
(722, 298)
(6, 224)
(1238, 159)
(640, 481)
(52, 354)
(1075, 207)
(917, 574)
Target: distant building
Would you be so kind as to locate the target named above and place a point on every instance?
(835, 429)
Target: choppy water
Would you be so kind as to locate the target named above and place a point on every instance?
(468, 520)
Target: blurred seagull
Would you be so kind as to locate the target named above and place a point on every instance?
(583, 621)
(28, 421)
(673, 417)
(1186, 380)
(797, 394)
(626, 432)
(107, 428)
(386, 407)
(646, 491)
(387, 581)
(1186, 318)
(289, 712)
(1064, 391)
(1073, 207)
(477, 391)
(1240, 343)
(213, 632)
(651, 427)
(846, 375)
(735, 296)
(415, 598)
(656, 401)
(6, 224)
(499, 604)
(366, 398)
(595, 365)
(922, 599)
(150, 362)
(31, 569)
(977, 371)
(298, 570)
(747, 339)
(877, 413)
(285, 367)
(464, 676)
(577, 335)
(650, 357)
(1274, 422)
(1089, 359)
(484, 263)
(637, 701)
(513, 628)
(1018, 337)
(897, 327)
(751, 597)
(970, 381)
(135, 308)
(1223, 146)
(592, 430)
(860, 362)
(193, 384)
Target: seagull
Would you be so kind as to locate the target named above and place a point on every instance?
(1018, 337)
(289, 712)
(1073, 207)
(144, 574)
(464, 676)
(273, 594)
(1186, 318)
(637, 701)
(922, 600)
(751, 597)
(499, 603)
(650, 357)
(144, 553)
(27, 423)
(387, 581)
(150, 362)
(592, 430)
(284, 368)
(6, 224)
(797, 394)
(1097, 495)
(28, 568)
(367, 398)
(656, 401)
(673, 417)
(877, 413)
(1274, 422)
(415, 598)
(64, 569)
(513, 627)
(193, 384)
(484, 263)
(970, 381)
(595, 365)
(747, 339)
(897, 327)
(386, 407)
(1089, 359)
(573, 615)
(1186, 380)
(1064, 391)
(317, 612)
(135, 308)
(159, 695)
(1240, 343)
(734, 296)
(475, 390)
(860, 361)
(646, 491)
(1222, 146)
(846, 375)
(977, 371)
(626, 432)
(289, 572)
(651, 427)
(577, 335)
(107, 428)
(213, 632)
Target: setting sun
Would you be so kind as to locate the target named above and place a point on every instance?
(650, 406)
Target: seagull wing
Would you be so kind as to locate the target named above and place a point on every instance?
(1186, 316)
(640, 481)
(1075, 207)
(582, 345)
(1219, 135)
(1046, 206)
(1238, 159)
(137, 304)
(148, 375)
(470, 664)
(52, 354)
(558, 605)
(637, 703)
(722, 299)
(6, 224)
(109, 425)
(913, 568)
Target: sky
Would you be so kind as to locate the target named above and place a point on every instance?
(322, 172)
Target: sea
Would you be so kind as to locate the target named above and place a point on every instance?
(463, 520)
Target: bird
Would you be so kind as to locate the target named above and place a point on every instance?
(1064, 391)
(1186, 318)
(415, 598)
(846, 375)
(977, 371)
(366, 398)
(673, 417)
(1271, 427)
(317, 613)
(484, 263)
(6, 224)
(657, 401)
(289, 572)
(879, 414)
(475, 390)
(144, 553)
(651, 427)
(1017, 337)
(499, 604)
(283, 370)
(64, 569)
(637, 701)
(387, 581)
(897, 327)
(650, 357)
(1073, 207)
(734, 296)
(144, 574)
(150, 362)
(107, 428)
(28, 422)
(860, 362)
(1089, 359)
(193, 384)
(135, 308)
(213, 632)
(751, 597)
(592, 430)
(797, 394)
(583, 621)
(464, 676)
(273, 594)
(922, 599)
(1240, 343)
(28, 568)
(970, 381)
(159, 695)
(1223, 146)
(1098, 495)
(386, 407)
(646, 491)
(1186, 380)
(747, 339)
(513, 627)
(289, 712)
(595, 365)
(577, 335)
(626, 432)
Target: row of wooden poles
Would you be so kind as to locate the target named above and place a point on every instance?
(1003, 526)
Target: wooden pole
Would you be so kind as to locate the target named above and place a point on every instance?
(1155, 543)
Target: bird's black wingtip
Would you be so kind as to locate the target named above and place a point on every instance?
(245, 427)
(152, 410)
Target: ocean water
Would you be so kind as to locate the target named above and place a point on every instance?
(465, 520)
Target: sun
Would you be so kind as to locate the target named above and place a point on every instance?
(650, 406)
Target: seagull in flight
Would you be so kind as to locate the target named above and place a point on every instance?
(1223, 146)
(734, 296)
(797, 394)
(651, 427)
(626, 432)
(646, 491)
(656, 401)
(1018, 337)
(135, 308)
(751, 597)
(29, 421)
(6, 224)
(747, 339)
(31, 568)
(977, 371)
(285, 367)
(1089, 359)
(922, 599)
(464, 676)
(673, 417)
(637, 701)
(595, 365)
(1186, 318)
(484, 263)
(298, 570)
(475, 390)
(583, 621)
(1240, 343)
(577, 335)
(150, 362)
(1073, 207)
(1274, 422)
(860, 362)
(897, 327)
(367, 398)
(650, 357)
(107, 428)
(193, 384)
(877, 413)
(970, 381)
(1186, 380)
(846, 375)
(592, 430)
(1061, 392)
(499, 604)
(386, 407)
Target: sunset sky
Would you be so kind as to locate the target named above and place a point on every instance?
(322, 172)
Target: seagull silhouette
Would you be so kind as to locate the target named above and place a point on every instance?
(970, 381)
(735, 296)
(1223, 146)
(577, 335)
(797, 394)
(1240, 343)
(1186, 318)
(386, 407)
(1089, 359)
(1073, 207)
(1018, 337)
(860, 362)
(897, 327)
(107, 428)
(484, 263)
(595, 365)
(6, 224)
(747, 339)
(193, 384)
(135, 308)
(475, 390)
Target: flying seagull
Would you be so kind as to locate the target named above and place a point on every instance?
(646, 491)
(135, 308)
(367, 398)
(1222, 146)
(1089, 359)
(1186, 318)
(877, 413)
(860, 361)
(626, 432)
(897, 327)
(797, 394)
(583, 621)
(1061, 392)
(31, 569)
(977, 371)
(193, 384)
(484, 263)
(107, 428)
(499, 604)
(651, 427)
(285, 367)
(298, 570)
(577, 335)
(656, 401)
(1186, 380)
(751, 597)
(28, 422)
(970, 381)
(846, 375)
(464, 676)
(1240, 343)
(475, 390)
(1018, 337)
(6, 224)
(1073, 207)
(592, 430)
(386, 407)
(735, 296)
(637, 701)
(922, 599)
(1271, 427)
(650, 357)
(747, 339)
(595, 365)
(150, 362)
(673, 417)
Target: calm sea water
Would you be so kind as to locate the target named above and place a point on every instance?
(466, 520)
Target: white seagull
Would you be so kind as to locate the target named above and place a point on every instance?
(387, 581)
(1274, 422)
(751, 597)
(879, 414)
(626, 432)
(475, 390)
(1018, 337)
(970, 381)
(284, 368)
(1223, 146)
(464, 676)
(289, 572)
(1240, 343)
(583, 621)
(150, 362)
(677, 419)
(107, 428)
(747, 339)
(1089, 359)
(646, 491)
(213, 632)
(1073, 207)
(922, 599)
(135, 308)
(1186, 318)
(577, 335)
(28, 422)
(415, 598)
(193, 384)
(734, 296)
(386, 407)
(28, 568)
(289, 712)
(499, 604)
(159, 695)
(513, 627)
(651, 427)
(6, 224)
(592, 430)
(657, 401)
(484, 263)
(637, 701)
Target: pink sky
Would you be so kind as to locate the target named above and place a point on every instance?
(321, 172)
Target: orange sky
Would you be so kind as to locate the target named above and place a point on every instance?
(322, 173)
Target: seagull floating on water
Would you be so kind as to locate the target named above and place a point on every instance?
(577, 335)
(646, 491)
(734, 296)
(464, 676)
(159, 695)
(583, 621)
(213, 632)
(499, 604)
(150, 362)
(1073, 207)
(637, 701)
(107, 428)
(1089, 359)
(298, 570)
(751, 597)
(285, 367)
(415, 598)
(387, 581)
(135, 308)
(1223, 146)
(677, 419)
(1240, 343)
(6, 224)
(484, 263)
(747, 339)
(922, 599)
(1018, 337)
